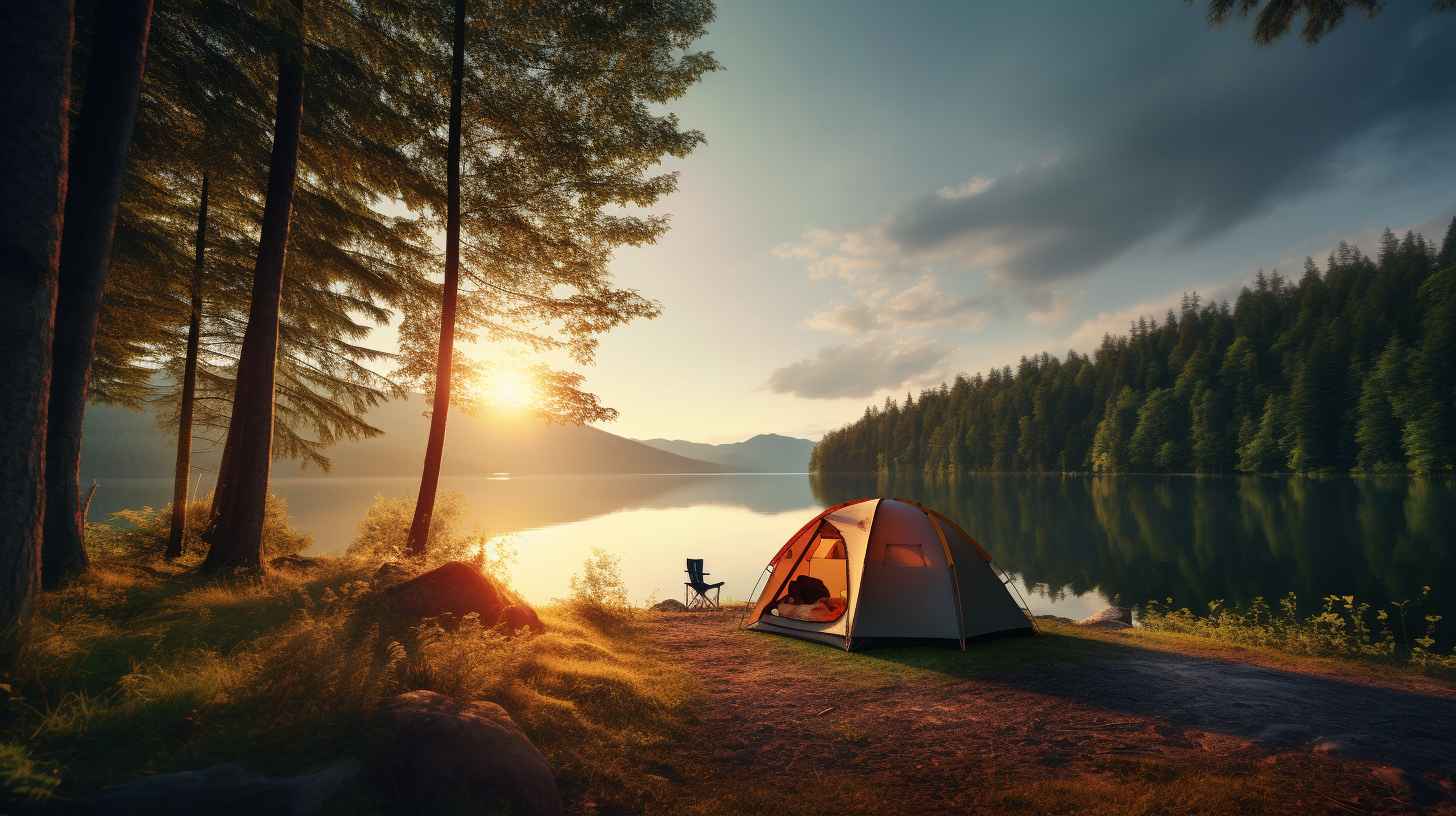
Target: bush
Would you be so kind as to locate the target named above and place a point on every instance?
(385, 528)
(145, 531)
(1342, 628)
(145, 669)
(599, 594)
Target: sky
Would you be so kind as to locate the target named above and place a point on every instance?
(892, 193)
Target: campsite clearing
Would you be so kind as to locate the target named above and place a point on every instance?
(1070, 721)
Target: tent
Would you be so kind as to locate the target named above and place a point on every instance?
(891, 569)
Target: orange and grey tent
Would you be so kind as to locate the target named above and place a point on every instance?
(893, 569)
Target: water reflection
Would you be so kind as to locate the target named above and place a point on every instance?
(1199, 539)
(1075, 542)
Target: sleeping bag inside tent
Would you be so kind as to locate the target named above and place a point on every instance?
(872, 570)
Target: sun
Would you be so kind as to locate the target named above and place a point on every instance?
(510, 389)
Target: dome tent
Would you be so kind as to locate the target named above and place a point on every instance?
(891, 569)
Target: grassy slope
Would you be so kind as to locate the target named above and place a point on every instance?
(141, 669)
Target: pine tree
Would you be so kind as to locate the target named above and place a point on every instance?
(97, 166)
(1313, 409)
(35, 53)
(1275, 18)
(1378, 431)
(1265, 451)
(1430, 430)
(1210, 446)
(235, 534)
(1447, 256)
(1109, 446)
(556, 110)
(1152, 446)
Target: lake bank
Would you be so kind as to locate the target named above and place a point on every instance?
(186, 673)
(1076, 544)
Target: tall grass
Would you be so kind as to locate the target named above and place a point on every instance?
(143, 667)
(144, 532)
(599, 593)
(1344, 627)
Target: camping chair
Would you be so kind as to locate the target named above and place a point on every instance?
(695, 592)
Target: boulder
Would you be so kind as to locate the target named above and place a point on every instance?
(458, 589)
(225, 789)
(1113, 617)
(293, 561)
(669, 605)
(519, 616)
(436, 755)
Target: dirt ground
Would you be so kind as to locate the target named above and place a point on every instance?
(1068, 721)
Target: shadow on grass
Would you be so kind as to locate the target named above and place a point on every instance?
(1275, 708)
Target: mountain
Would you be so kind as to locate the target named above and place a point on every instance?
(120, 443)
(765, 453)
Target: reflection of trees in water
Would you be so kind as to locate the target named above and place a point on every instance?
(1200, 539)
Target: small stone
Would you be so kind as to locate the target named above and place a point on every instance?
(669, 605)
(1113, 617)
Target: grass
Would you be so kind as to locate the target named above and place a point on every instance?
(1343, 628)
(141, 667)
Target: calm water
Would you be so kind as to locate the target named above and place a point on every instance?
(1075, 543)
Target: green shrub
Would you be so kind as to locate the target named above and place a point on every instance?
(599, 594)
(1344, 627)
(145, 531)
(385, 528)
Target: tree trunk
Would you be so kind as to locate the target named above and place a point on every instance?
(97, 163)
(189, 387)
(35, 58)
(419, 532)
(235, 536)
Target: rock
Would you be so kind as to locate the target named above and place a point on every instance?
(297, 562)
(226, 789)
(458, 589)
(390, 573)
(669, 605)
(520, 616)
(440, 756)
(1113, 617)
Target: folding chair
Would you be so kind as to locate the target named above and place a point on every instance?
(695, 592)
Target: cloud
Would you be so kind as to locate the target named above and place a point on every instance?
(847, 318)
(973, 186)
(860, 369)
(1184, 142)
(923, 305)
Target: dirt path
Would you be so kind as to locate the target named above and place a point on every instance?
(1057, 723)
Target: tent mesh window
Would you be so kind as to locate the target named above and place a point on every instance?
(898, 553)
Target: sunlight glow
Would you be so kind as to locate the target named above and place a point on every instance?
(510, 389)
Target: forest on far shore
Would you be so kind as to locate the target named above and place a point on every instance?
(1349, 369)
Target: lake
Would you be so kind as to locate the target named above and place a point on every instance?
(1074, 543)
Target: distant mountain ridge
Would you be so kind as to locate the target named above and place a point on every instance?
(764, 453)
(121, 443)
